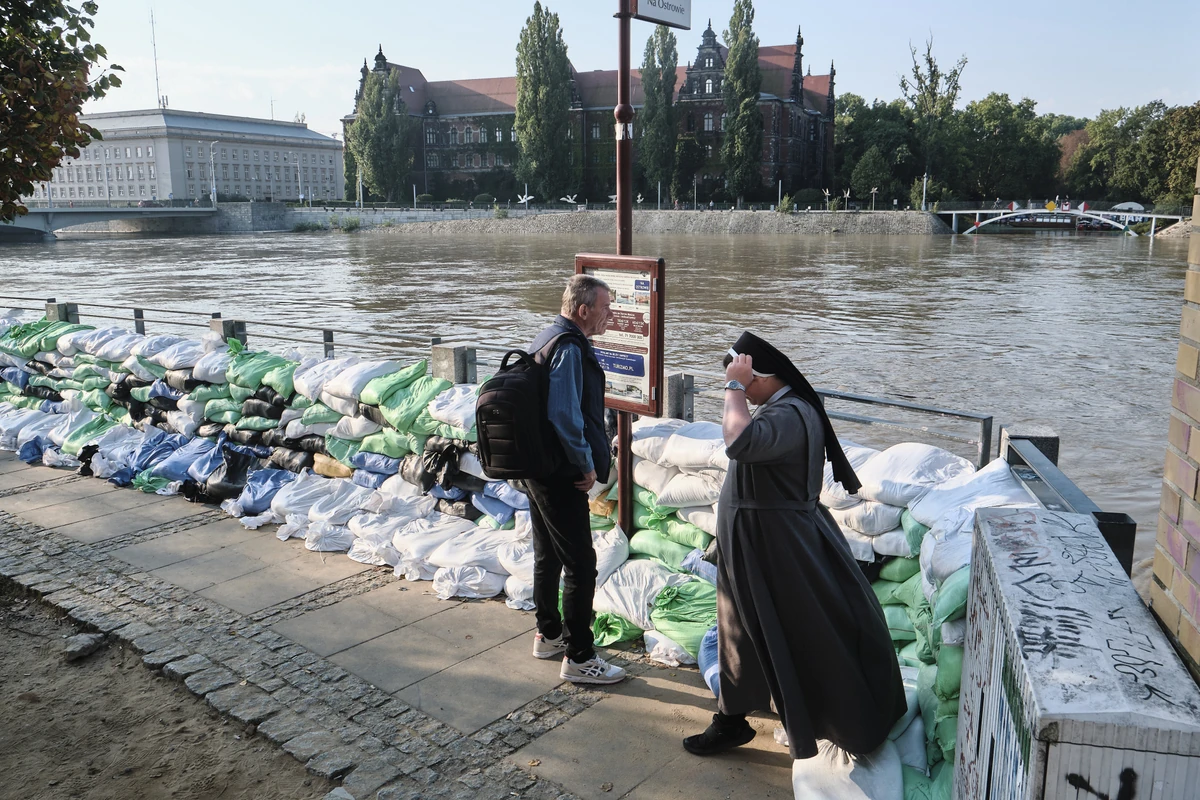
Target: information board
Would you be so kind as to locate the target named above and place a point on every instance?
(672, 13)
(631, 350)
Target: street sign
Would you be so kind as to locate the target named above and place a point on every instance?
(631, 350)
(672, 13)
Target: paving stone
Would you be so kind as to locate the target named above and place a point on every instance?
(134, 631)
(270, 684)
(334, 763)
(256, 710)
(285, 726)
(209, 680)
(82, 645)
(369, 776)
(223, 700)
(310, 744)
(339, 794)
(186, 666)
(157, 659)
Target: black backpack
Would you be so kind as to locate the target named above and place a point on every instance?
(516, 439)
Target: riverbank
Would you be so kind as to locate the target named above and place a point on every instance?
(890, 223)
(1180, 230)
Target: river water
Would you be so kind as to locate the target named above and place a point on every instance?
(1075, 332)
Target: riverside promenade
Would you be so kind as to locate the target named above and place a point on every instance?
(361, 676)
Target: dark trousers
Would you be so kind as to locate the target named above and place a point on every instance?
(562, 547)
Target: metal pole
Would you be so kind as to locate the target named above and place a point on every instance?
(924, 186)
(624, 130)
(660, 195)
(212, 167)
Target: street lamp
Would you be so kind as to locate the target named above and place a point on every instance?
(873, 191)
(212, 169)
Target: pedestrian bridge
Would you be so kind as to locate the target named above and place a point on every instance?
(1115, 220)
(50, 219)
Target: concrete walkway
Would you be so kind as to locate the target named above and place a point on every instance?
(358, 674)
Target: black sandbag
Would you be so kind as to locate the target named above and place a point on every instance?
(468, 482)
(40, 367)
(210, 430)
(42, 392)
(459, 508)
(195, 493)
(441, 459)
(243, 437)
(269, 395)
(291, 460)
(229, 479)
(311, 444)
(372, 413)
(412, 469)
(253, 407)
(182, 380)
(275, 437)
(85, 460)
(118, 390)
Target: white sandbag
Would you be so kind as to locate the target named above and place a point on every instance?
(474, 548)
(652, 476)
(346, 406)
(213, 366)
(137, 369)
(518, 594)
(664, 650)
(456, 406)
(294, 526)
(908, 676)
(470, 464)
(904, 472)
(183, 424)
(323, 537)
(290, 415)
(868, 517)
(910, 745)
(152, 345)
(115, 450)
(297, 429)
(834, 773)
(404, 509)
(703, 517)
(193, 408)
(349, 382)
(375, 550)
(88, 341)
(832, 493)
(954, 632)
(53, 457)
(991, 487)
(650, 436)
(892, 543)
(860, 544)
(516, 557)
(612, 550)
(696, 489)
(416, 540)
(311, 380)
(396, 486)
(181, 355)
(118, 348)
(472, 583)
(355, 428)
(297, 497)
(947, 547)
(69, 424)
(633, 587)
(693, 445)
(339, 506)
(257, 521)
(38, 429)
(12, 420)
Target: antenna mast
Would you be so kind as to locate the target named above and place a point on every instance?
(154, 48)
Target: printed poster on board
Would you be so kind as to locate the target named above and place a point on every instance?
(624, 350)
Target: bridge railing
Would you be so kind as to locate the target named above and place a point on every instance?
(1039, 205)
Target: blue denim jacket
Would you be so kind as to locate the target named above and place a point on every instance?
(566, 391)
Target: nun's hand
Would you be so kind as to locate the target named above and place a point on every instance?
(740, 369)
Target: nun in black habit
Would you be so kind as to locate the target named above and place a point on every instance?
(798, 623)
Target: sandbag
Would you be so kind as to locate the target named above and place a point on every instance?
(947, 547)
(213, 367)
(154, 344)
(179, 356)
(516, 557)
(833, 495)
(505, 493)
(631, 590)
(904, 472)
(893, 543)
(375, 550)
(341, 504)
(650, 436)
(683, 533)
(870, 518)
(349, 382)
(355, 428)
(175, 466)
(403, 407)
(469, 582)
(292, 460)
(690, 489)
(654, 477)
(456, 406)
(612, 550)
(259, 408)
(261, 487)
(609, 629)
(655, 545)
(380, 388)
(685, 612)
(229, 479)
(518, 594)
(309, 381)
(330, 467)
(419, 538)
(325, 537)
(496, 509)
(952, 597)
(991, 487)
(474, 548)
(693, 446)
(371, 480)
(298, 497)
(859, 544)
(703, 517)
(664, 650)
(834, 773)
(386, 442)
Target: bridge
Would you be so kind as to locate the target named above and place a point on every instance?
(1116, 220)
(49, 219)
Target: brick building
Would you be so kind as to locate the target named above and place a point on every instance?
(465, 140)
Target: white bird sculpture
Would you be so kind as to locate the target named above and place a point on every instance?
(569, 198)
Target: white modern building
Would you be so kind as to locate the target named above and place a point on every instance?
(162, 154)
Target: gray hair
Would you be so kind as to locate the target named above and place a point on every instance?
(581, 291)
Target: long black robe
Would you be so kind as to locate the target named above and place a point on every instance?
(798, 622)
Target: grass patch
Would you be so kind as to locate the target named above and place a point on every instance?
(308, 227)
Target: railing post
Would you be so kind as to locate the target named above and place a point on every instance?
(227, 328)
(139, 321)
(327, 341)
(454, 362)
(679, 398)
(985, 443)
(1040, 436)
(61, 312)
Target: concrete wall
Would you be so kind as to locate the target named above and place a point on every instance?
(1175, 588)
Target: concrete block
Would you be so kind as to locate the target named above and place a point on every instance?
(82, 645)
(1179, 433)
(223, 700)
(310, 744)
(334, 628)
(1194, 243)
(1172, 540)
(285, 726)
(1041, 436)
(1163, 567)
(1191, 286)
(334, 763)
(1189, 522)
(453, 362)
(186, 666)
(256, 709)
(161, 657)
(677, 396)
(1186, 593)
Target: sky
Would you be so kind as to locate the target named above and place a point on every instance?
(265, 58)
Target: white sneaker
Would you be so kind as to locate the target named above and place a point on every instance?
(548, 648)
(594, 670)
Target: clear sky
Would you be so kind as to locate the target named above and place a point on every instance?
(231, 57)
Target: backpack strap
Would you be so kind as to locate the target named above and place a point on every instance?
(544, 355)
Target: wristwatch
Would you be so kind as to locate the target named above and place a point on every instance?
(735, 385)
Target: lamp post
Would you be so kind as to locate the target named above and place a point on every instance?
(107, 191)
(212, 169)
(873, 191)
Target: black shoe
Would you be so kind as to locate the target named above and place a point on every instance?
(719, 737)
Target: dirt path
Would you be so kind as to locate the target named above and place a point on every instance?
(107, 728)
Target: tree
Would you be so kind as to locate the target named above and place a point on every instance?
(1014, 152)
(1182, 151)
(379, 137)
(932, 94)
(886, 126)
(873, 172)
(741, 149)
(658, 111)
(543, 106)
(46, 56)
(690, 156)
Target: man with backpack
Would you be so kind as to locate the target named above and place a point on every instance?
(562, 537)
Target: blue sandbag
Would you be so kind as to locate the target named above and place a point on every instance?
(706, 659)
(452, 494)
(16, 376)
(261, 487)
(161, 389)
(375, 462)
(154, 448)
(204, 466)
(368, 479)
(123, 476)
(175, 466)
(497, 510)
(256, 450)
(31, 451)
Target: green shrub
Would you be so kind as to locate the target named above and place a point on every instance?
(351, 224)
(484, 200)
(808, 197)
(424, 198)
(499, 213)
(307, 227)
(786, 206)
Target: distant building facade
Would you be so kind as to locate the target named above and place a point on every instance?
(466, 138)
(163, 154)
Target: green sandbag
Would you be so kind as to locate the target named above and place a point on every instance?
(951, 600)
(899, 625)
(86, 358)
(949, 676)
(943, 782)
(248, 367)
(645, 497)
(685, 613)
(405, 405)
(917, 785)
(427, 425)
(27, 402)
(378, 390)
(908, 655)
(684, 533)
(146, 482)
(643, 518)
(299, 402)
(928, 702)
(49, 339)
(385, 442)
(151, 367)
(608, 629)
(120, 415)
(911, 594)
(947, 738)
(319, 414)
(415, 441)
(84, 371)
(257, 424)
(490, 522)
(142, 393)
(280, 378)
(600, 523)
(209, 391)
(87, 433)
(929, 636)
(341, 449)
(885, 592)
(97, 401)
(94, 383)
(223, 409)
(913, 531)
(652, 543)
(24, 340)
(241, 393)
(945, 708)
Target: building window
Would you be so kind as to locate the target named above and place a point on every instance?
(225, 156)
(710, 151)
(91, 192)
(708, 121)
(127, 156)
(722, 121)
(188, 171)
(139, 152)
(277, 173)
(708, 86)
(469, 136)
(245, 155)
(595, 130)
(499, 135)
(430, 136)
(513, 134)
(237, 188)
(142, 191)
(237, 177)
(107, 152)
(142, 172)
(88, 172)
(454, 160)
(276, 155)
(108, 173)
(691, 126)
(454, 136)
(151, 172)
(499, 160)
(476, 160)
(121, 191)
(595, 158)
(431, 161)
(483, 135)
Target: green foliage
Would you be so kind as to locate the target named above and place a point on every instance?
(499, 213)
(379, 138)
(350, 224)
(806, 198)
(308, 227)
(47, 54)
(484, 200)
(657, 146)
(543, 107)
(889, 127)
(932, 93)
(424, 198)
(873, 172)
(689, 159)
(1013, 151)
(786, 206)
(741, 148)
(835, 203)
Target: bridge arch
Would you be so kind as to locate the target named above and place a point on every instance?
(1024, 212)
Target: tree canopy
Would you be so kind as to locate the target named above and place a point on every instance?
(46, 58)
(543, 107)
(741, 148)
(379, 140)
(657, 147)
